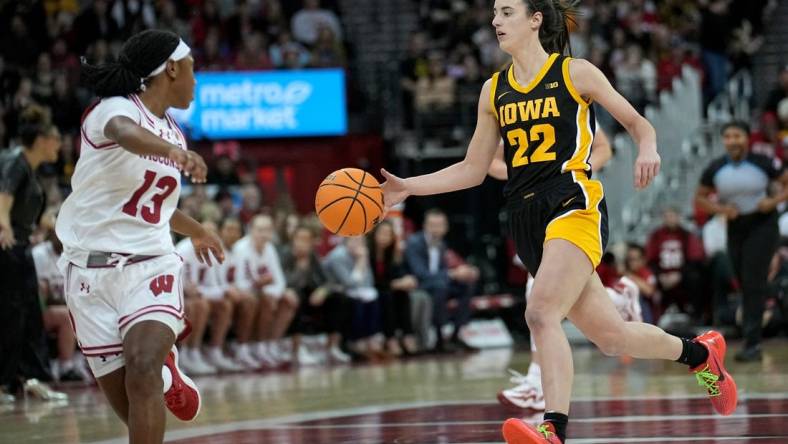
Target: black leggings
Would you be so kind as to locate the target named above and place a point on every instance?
(752, 241)
(333, 316)
(23, 349)
(395, 308)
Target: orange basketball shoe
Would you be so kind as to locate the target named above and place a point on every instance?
(517, 431)
(181, 395)
(713, 377)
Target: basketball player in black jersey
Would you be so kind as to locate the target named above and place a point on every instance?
(540, 107)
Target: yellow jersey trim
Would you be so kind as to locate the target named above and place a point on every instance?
(582, 227)
(493, 88)
(571, 86)
(542, 72)
(579, 160)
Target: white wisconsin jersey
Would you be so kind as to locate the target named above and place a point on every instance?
(45, 260)
(121, 202)
(251, 266)
(211, 281)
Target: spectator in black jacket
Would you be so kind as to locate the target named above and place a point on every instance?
(322, 307)
(394, 285)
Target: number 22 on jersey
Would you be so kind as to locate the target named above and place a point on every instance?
(519, 138)
(167, 184)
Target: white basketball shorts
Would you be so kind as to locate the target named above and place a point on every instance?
(104, 303)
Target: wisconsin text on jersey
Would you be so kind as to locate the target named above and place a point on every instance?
(162, 160)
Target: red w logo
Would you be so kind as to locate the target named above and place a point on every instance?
(162, 284)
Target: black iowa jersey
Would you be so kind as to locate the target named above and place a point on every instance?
(546, 126)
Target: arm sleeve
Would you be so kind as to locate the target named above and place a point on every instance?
(11, 176)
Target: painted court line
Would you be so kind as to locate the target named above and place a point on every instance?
(683, 439)
(285, 422)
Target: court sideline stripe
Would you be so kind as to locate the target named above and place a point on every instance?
(282, 422)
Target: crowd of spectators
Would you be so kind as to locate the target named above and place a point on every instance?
(385, 295)
(369, 298)
(42, 42)
(640, 45)
(373, 298)
(686, 276)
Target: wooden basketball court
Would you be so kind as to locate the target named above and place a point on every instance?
(435, 400)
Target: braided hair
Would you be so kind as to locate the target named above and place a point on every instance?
(140, 55)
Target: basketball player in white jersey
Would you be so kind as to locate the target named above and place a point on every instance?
(210, 285)
(123, 280)
(67, 367)
(259, 271)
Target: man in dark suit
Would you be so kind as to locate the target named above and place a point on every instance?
(425, 254)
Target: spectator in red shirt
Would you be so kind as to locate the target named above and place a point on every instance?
(670, 65)
(675, 255)
(607, 270)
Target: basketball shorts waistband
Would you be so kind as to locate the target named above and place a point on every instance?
(523, 197)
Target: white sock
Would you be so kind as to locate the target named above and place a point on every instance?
(195, 354)
(185, 351)
(166, 376)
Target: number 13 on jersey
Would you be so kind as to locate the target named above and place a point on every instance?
(519, 138)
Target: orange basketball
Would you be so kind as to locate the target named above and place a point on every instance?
(349, 202)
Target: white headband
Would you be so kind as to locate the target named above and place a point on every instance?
(180, 52)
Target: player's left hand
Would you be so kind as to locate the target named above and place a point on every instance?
(646, 167)
(207, 244)
(190, 163)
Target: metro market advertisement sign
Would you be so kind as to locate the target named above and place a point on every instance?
(229, 105)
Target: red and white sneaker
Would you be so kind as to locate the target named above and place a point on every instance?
(713, 376)
(180, 393)
(527, 394)
(517, 431)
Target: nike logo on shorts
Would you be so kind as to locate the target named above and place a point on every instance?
(568, 201)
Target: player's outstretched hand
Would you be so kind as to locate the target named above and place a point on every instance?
(394, 190)
(207, 244)
(190, 163)
(646, 167)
